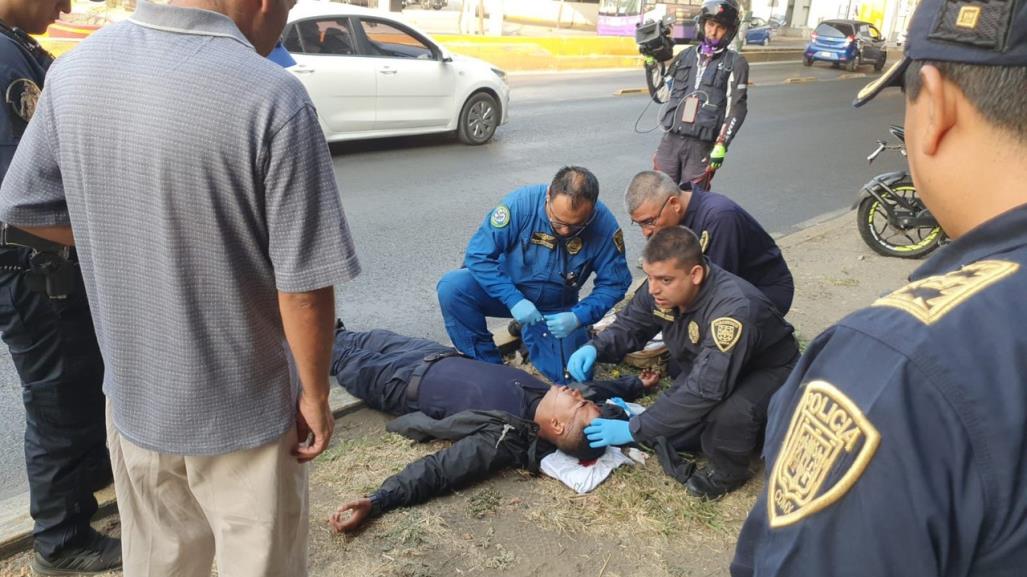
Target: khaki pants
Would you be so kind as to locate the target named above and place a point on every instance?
(247, 510)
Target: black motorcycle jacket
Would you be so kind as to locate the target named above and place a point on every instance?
(721, 95)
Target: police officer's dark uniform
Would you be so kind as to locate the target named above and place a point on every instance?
(708, 100)
(46, 324)
(899, 444)
(732, 350)
(487, 409)
(731, 238)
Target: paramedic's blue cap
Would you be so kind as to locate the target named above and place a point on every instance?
(987, 32)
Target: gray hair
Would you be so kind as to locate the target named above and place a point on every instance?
(649, 185)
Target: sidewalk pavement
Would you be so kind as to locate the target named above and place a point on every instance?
(835, 274)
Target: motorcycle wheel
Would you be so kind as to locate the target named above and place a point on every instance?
(874, 228)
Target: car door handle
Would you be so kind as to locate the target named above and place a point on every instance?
(387, 70)
(302, 69)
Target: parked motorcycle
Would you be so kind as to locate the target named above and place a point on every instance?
(892, 219)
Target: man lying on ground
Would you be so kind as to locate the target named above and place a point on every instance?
(497, 416)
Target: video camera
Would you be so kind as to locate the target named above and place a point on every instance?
(654, 38)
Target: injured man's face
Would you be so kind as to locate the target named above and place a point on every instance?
(562, 415)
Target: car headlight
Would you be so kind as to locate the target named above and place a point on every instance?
(499, 73)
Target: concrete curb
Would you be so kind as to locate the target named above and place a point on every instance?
(564, 53)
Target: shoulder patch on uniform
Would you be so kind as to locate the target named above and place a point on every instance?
(618, 240)
(543, 239)
(693, 332)
(22, 96)
(574, 245)
(929, 299)
(500, 217)
(726, 332)
(826, 430)
(704, 241)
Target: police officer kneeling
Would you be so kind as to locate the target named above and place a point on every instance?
(734, 349)
(46, 324)
(899, 445)
(728, 235)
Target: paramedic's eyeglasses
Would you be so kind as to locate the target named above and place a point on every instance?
(651, 222)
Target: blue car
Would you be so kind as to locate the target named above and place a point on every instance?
(758, 33)
(847, 43)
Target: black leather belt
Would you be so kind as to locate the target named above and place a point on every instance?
(14, 236)
(50, 268)
(419, 370)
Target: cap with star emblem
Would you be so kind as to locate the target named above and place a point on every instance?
(984, 32)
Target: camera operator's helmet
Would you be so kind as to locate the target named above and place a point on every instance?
(724, 12)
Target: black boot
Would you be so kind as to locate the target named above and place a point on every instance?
(95, 553)
(707, 484)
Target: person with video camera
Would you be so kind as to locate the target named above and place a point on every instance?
(707, 102)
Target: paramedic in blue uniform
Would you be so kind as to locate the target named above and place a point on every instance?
(899, 444)
(729, 236)
(46, 325)
(528, 260)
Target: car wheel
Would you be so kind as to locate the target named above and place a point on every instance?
(879, 65)
(478, 119)
(807, 61)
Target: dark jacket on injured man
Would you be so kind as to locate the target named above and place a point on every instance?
(487, 410)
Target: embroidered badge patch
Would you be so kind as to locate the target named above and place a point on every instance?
(827, 431)
(693, 332)
(543, 239)
(618, 240)
(929, 299)
(500, 217)
(726, 332)
(704, 241)
(968, 16)
(22, 96)
(665, 314)
(574, 245)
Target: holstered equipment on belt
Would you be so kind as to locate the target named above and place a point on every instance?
(426, 363)
(51, 268)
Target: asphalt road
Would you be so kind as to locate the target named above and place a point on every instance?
(413, 203)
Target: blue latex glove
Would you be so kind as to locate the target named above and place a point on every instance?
(581, 362)
(562, 324)
(525, 313)
(606, 432)
(622, 404)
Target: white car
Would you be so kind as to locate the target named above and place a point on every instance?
(372, 76)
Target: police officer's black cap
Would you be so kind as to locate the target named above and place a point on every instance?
(985, 32)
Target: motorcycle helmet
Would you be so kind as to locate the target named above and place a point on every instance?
(724, 12)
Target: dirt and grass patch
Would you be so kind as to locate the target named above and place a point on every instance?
(639, 522)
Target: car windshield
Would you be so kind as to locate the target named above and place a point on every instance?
(833, 30)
